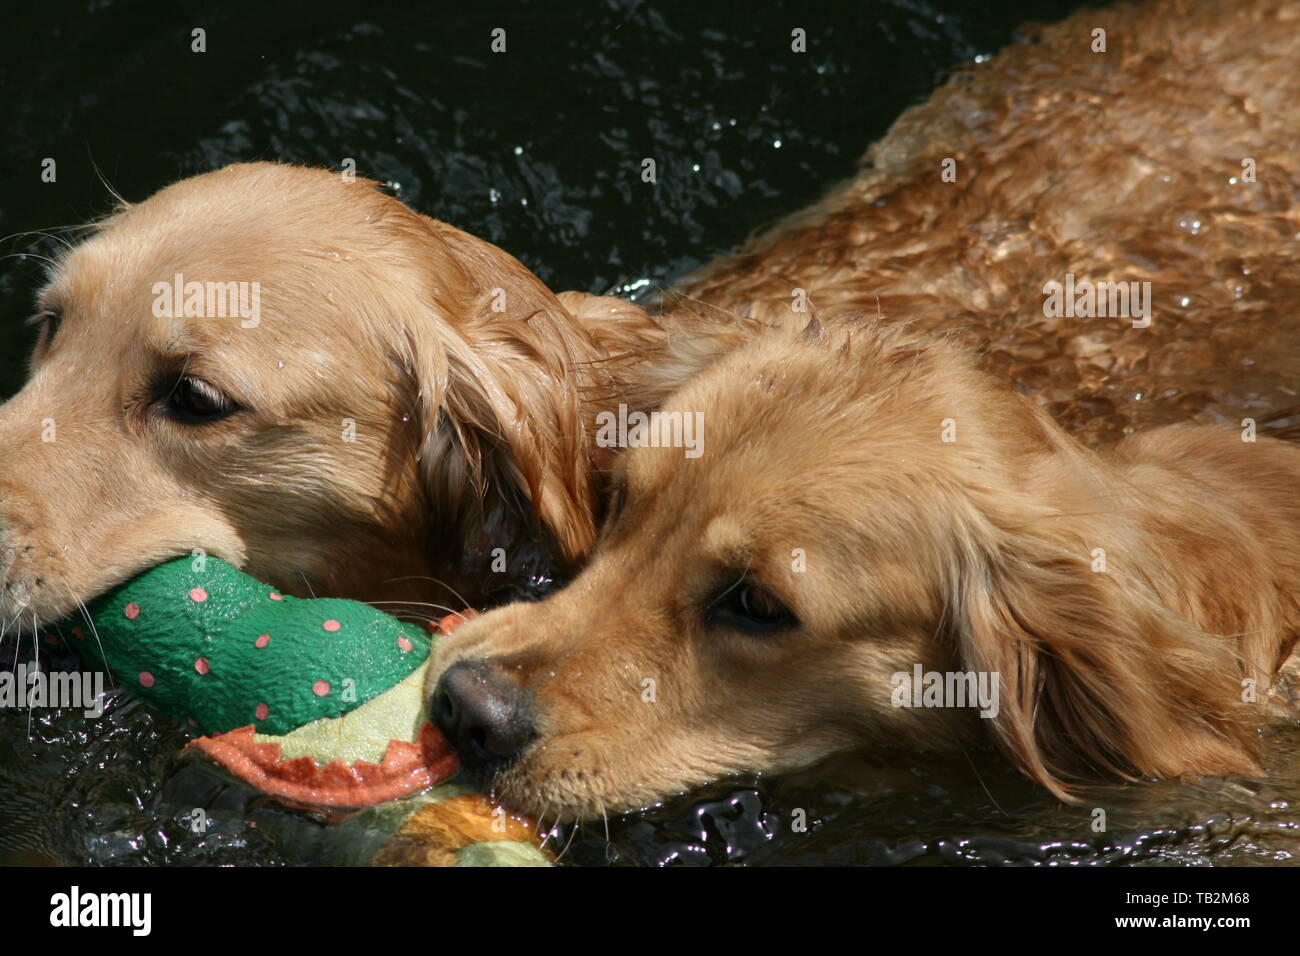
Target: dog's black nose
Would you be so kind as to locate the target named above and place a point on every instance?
(483, 713)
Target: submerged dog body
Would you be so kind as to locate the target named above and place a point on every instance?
(868, 504)
(1167, 156)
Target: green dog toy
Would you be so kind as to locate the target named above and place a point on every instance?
(208, 644)
(318, 702)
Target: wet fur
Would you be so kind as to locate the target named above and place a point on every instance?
(973, 555)
(474, 426)
(467, 382)
(1116, 166)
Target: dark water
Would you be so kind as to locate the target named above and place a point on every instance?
(537, 150)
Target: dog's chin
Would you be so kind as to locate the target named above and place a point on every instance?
(572, 794)
(559, 796)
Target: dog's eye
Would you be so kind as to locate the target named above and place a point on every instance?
(751, 607)
(194, 400)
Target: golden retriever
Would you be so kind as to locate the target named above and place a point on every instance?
(297, 373)
(362, 401)
(1150, 145)
(870, 508)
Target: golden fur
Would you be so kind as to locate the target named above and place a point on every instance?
(468, 420)
(1119, 166)
(826, 450)
(473, 426)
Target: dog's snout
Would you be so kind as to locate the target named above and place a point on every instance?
(483, 713)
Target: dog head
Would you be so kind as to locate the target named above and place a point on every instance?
(296, 373)
(867, 507)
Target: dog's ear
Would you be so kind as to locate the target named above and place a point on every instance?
(1095, 674)
(503, 372)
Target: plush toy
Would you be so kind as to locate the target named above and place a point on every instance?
(318, 703)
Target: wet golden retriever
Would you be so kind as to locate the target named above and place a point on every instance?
(1126, 145)
(870, 510)
(297, 373)
(1171, 157)
(358, 400)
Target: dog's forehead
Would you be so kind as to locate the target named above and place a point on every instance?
(216, 295)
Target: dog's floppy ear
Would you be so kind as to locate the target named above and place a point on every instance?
(1095, 674)
(502, 372)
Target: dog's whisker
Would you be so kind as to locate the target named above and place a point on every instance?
(107, 185)
(90, 622)
(464, 602)
(412, 604)
(43, 233)
(51, 263)
(975, 770)
(577, 825)
(541, 828)
(36, 660)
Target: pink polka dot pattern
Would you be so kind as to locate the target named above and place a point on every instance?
(276, 597)
(262, 712)
(132, 611)
(320, 688)
(332, 625)
(404, 643)
(262, 641)
(201, 665)
(78, 633)
(146, 679)
(51, 639)
(198, 595)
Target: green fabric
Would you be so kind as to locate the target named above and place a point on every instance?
(206, 643)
